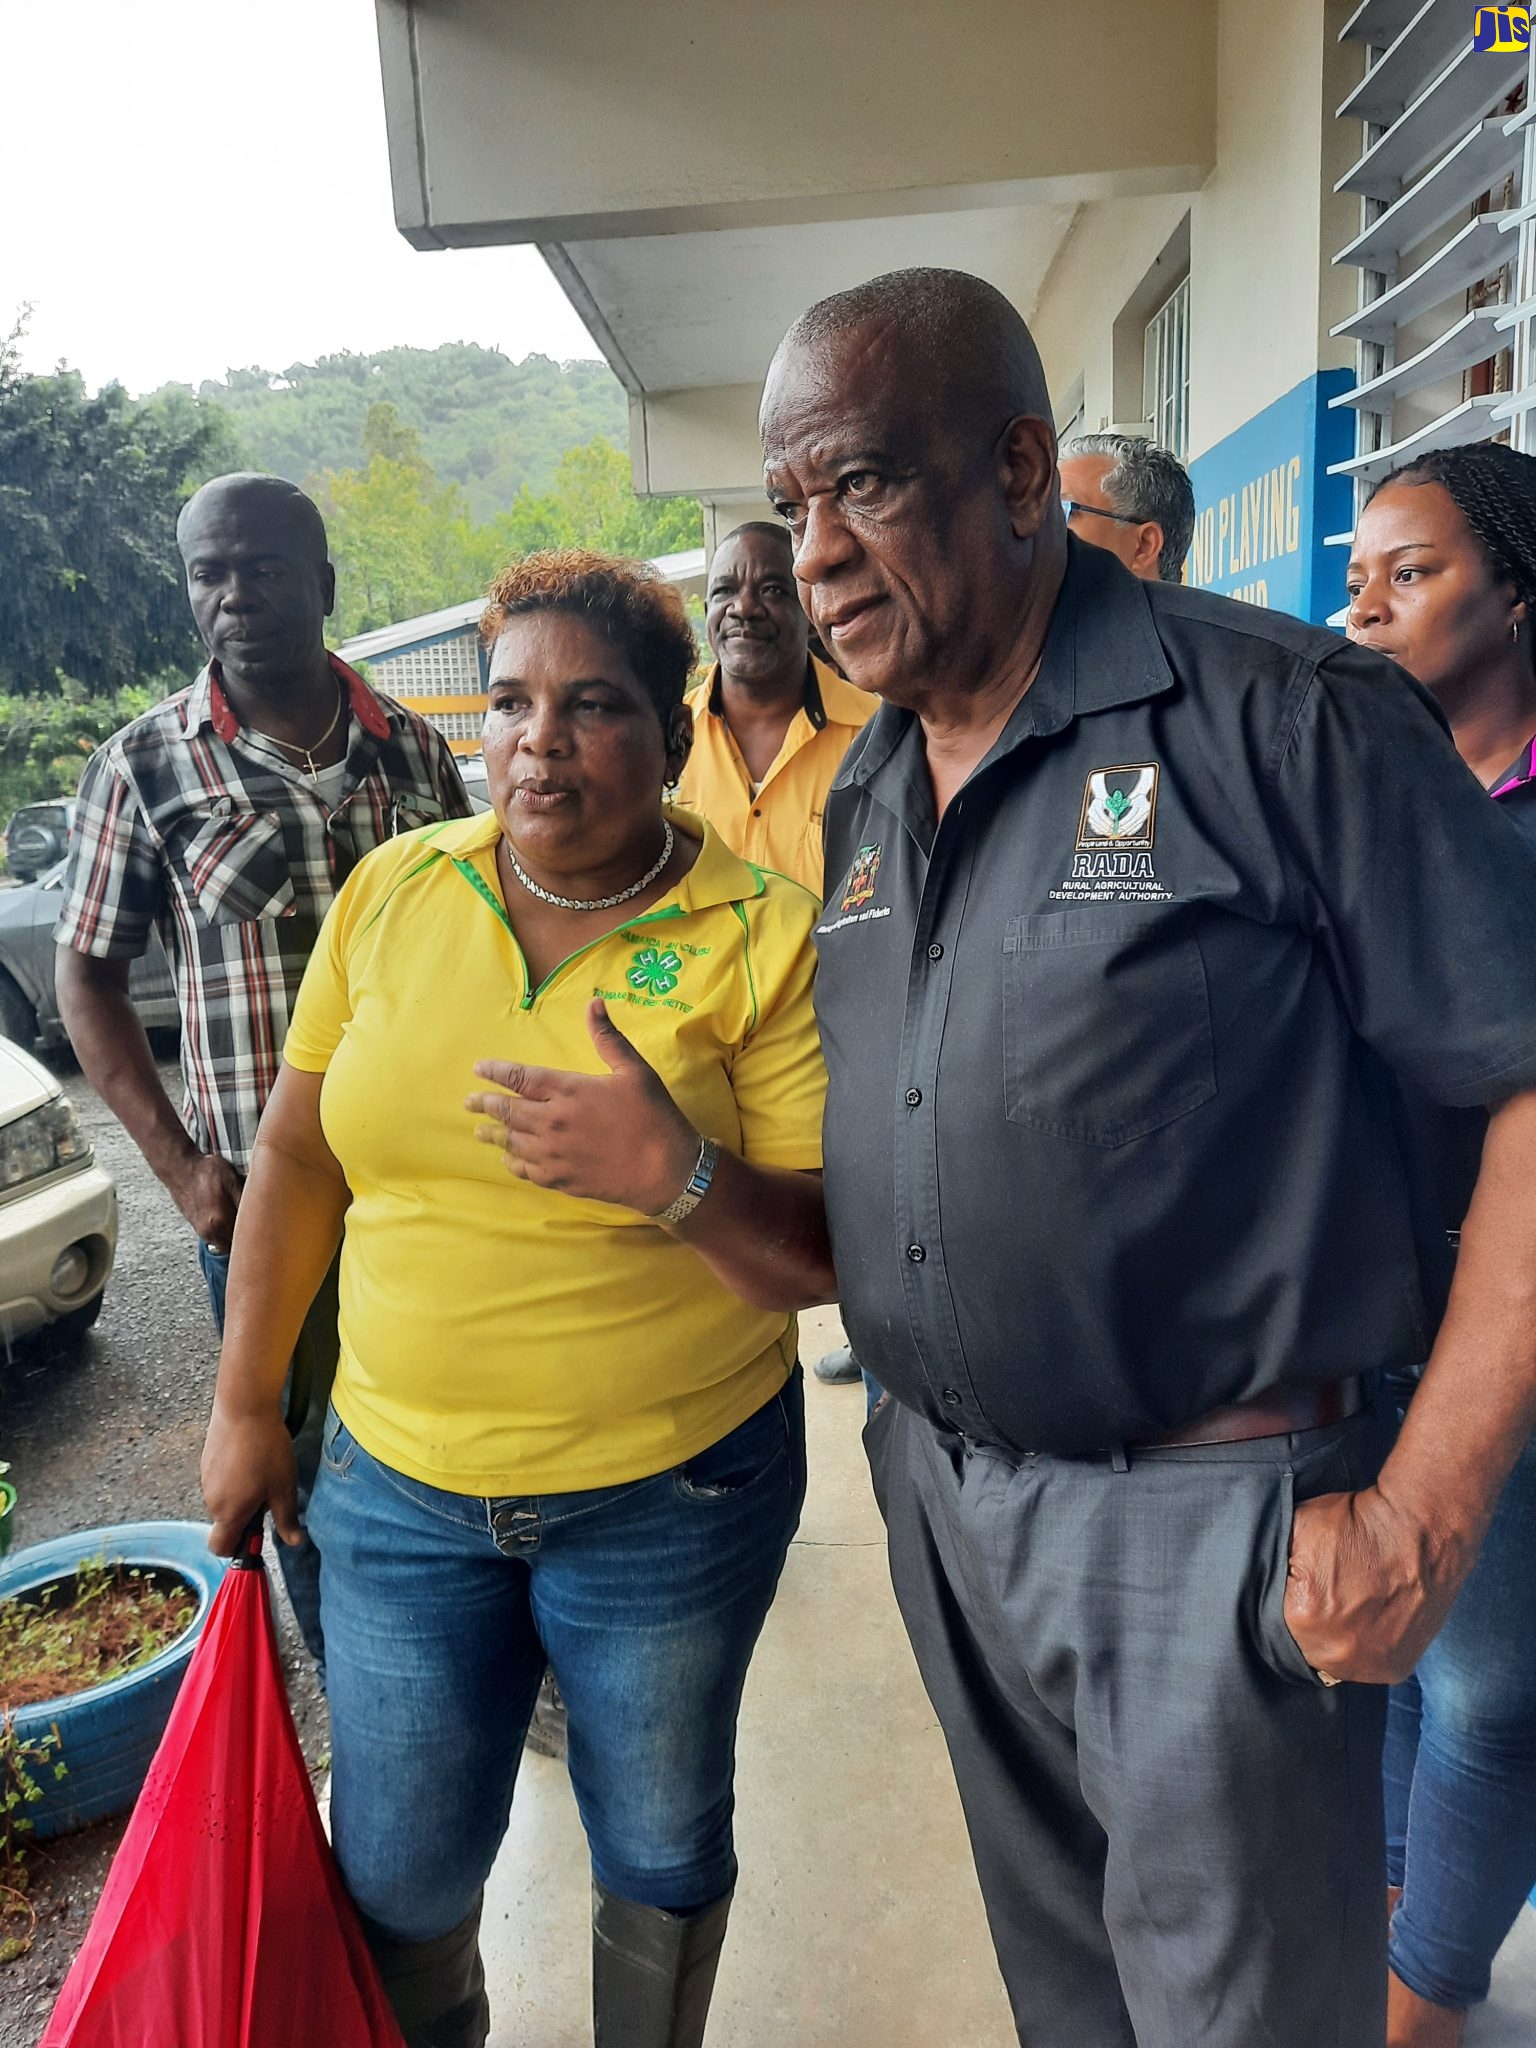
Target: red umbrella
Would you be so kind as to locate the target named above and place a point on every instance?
(223, 1923)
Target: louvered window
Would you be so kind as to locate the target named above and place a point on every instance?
(1447, 181)
(1166, 373)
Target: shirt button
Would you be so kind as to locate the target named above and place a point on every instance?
(914, 1097)
(935, 952)
(757, 814)
(916, 1254)
(952, 1397)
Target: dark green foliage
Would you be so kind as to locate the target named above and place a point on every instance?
(89, 490)
(45, 741)
(404, 543)
(433, 469)
(487, 424)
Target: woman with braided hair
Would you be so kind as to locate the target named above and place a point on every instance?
(1443, 579)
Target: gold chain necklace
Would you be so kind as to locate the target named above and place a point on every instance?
(309, 753)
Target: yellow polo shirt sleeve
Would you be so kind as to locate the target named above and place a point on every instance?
(323, 1005)
(778, 1078)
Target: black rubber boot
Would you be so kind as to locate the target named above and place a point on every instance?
(437, 1988)
(653, 1972)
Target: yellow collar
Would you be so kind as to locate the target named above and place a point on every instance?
(828, 699)
(844, 703)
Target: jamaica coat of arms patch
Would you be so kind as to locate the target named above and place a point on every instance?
(861, 878)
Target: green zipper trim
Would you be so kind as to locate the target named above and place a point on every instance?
(483, 890)
(531, 995)
(746, 949)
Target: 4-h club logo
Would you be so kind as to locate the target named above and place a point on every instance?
(1505, 29)
(653, 973)
(861, 878)
(1119, 809)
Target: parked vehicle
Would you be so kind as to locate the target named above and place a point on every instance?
(37, 837)
(29, 1008)
(58, 1208)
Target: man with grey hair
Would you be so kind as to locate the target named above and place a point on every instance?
(1124, 493)
(1139, 900)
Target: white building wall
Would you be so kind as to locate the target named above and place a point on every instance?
(1105, 265)
(1264, 226)
(1262, 229)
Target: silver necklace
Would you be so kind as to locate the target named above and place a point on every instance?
(594, 902)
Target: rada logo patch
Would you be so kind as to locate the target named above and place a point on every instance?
(1119, 809)
(861, 878)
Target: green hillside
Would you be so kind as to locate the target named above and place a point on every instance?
(486, 423)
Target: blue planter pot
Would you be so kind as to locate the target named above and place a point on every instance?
(109, 1733)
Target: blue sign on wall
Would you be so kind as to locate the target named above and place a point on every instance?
(1264, 502)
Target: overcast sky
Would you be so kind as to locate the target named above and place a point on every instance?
(195, 184)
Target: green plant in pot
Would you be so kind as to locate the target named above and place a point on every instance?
(7, 1509)
(97, 1628)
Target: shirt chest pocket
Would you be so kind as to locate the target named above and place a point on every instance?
(1106, 1025)
(237, 867)
(408, 812)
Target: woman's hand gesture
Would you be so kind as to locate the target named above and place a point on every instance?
(615, 1137)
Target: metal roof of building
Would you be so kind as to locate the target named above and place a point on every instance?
(679, 568)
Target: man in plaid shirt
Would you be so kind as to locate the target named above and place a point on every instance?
(227, 818)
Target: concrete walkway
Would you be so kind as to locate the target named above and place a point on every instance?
(857, 1920)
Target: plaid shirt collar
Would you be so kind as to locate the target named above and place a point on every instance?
(206, 703)
(1521, 776)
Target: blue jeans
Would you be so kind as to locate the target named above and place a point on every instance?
(441, 1610)
(306, 1397)
(1460, 1768)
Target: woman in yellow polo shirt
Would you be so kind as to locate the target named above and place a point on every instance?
(567, 1419)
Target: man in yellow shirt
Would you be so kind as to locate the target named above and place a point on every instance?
(771, 724)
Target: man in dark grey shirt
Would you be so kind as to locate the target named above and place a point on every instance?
(1139, 901)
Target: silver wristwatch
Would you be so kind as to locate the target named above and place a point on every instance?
(695, 1188)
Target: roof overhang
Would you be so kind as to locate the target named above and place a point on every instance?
(693, 193)
(598, 118)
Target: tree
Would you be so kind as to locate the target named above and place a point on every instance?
(45, 742)
(486, 423)
(592, 504)
(404, 544)
(90, 583)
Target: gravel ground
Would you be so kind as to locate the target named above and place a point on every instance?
(110, 1432)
